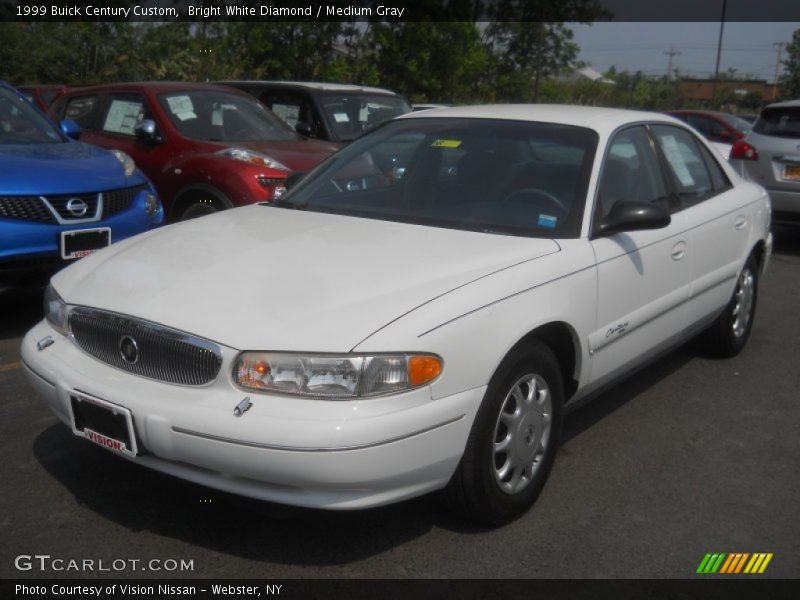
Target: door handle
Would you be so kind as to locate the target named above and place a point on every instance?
(740, 222)
(678, 251)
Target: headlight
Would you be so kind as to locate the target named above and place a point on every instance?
(150, 204)
(55, 310)
(254, 158)
(126, 161)
(335, 377)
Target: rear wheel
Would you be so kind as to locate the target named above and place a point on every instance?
(729, 333)
(513, 441)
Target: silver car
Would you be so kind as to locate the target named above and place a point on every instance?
(770, 155)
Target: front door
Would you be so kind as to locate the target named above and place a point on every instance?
(643, 276)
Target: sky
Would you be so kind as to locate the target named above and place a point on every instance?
(746, 47)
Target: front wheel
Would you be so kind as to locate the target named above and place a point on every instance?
(513, 441)
(200, 208)
(729, 333)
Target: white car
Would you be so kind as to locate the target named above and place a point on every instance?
(416, 314)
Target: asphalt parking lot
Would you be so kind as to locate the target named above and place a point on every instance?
(689, 456)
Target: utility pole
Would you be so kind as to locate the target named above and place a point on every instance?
(780, 46)
(671, 53)
(719, 53)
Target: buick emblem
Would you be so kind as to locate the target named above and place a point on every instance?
(128, 349)
(77, 207)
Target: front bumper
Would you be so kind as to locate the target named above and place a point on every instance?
(30, 247)
(322, 454)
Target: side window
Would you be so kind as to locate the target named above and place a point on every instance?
(291, 107)
(82, 110)
(685, 163)
(709, 127)
(631, 173)
(124, 112)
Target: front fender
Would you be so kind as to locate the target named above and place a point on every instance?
(474, 327)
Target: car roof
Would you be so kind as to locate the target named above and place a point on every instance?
(316, 85)
(601, 119)
(155, 86)
(692, 111)
(44, 86)
(786, 103)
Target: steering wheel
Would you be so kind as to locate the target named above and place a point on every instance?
(542, 199)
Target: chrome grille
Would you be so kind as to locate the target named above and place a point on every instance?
(164, 354)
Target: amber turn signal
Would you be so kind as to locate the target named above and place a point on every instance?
(423, 369)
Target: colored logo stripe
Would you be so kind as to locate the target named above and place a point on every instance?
(734, 562)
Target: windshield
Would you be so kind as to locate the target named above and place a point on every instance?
(223, 117)
(350, 115)
(20, 123)
(511, 177)
(781, 121)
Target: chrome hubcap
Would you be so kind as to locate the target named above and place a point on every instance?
(522, 433)
(743, 302)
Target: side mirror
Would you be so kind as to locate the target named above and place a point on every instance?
(633, 216)
(147, 132)
(303, 128)
(70, 129)
(294, 178)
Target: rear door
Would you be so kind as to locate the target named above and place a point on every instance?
(721, 219)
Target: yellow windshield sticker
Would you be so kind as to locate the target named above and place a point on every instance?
(446, 143)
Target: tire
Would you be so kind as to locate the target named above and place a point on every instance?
(200, 208)
(491, 485)
(729, 333)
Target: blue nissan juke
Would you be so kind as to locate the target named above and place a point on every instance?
(61, 199)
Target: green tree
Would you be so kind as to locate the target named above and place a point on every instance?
(790, 81)
(69, 52)
(435, 62)
(284, 50)
(531, 42)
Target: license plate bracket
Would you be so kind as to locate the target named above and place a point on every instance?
(104, 423)
(78, 243)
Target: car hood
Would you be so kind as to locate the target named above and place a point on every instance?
(262, 277)
(297, 155)
(68, 168)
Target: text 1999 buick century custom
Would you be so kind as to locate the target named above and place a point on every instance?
(414, 315)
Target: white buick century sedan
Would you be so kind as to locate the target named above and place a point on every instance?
(416, 314)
